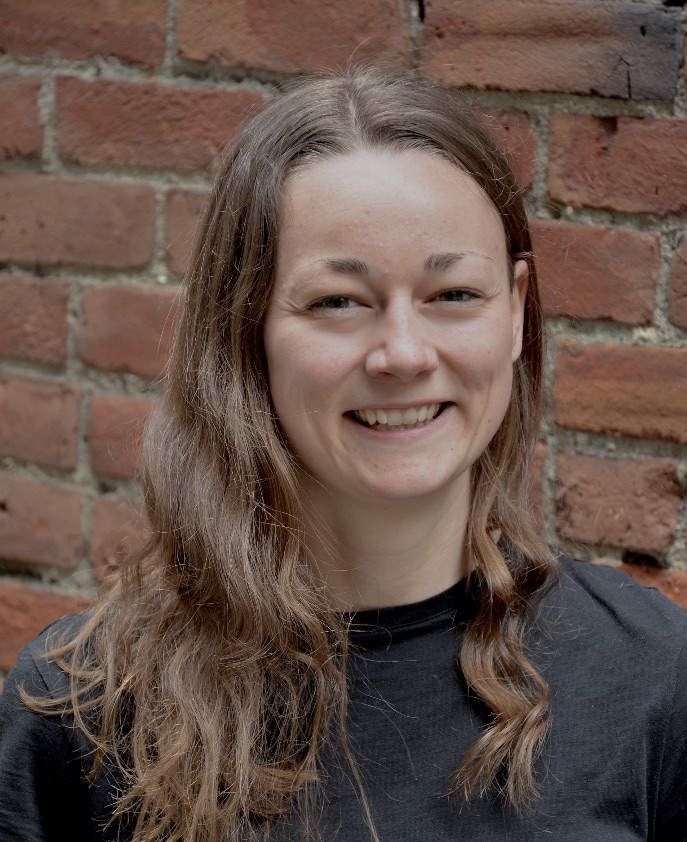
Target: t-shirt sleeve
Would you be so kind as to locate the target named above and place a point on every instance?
(43, 797)
(671, 825)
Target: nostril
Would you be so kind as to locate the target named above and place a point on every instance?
(402, 356)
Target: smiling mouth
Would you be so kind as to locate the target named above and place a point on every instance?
(398, 419)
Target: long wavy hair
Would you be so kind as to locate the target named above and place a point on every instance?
(212, 670)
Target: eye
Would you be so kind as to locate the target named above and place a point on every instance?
(458, 296)
(333, 305)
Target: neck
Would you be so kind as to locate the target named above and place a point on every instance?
(379, 554)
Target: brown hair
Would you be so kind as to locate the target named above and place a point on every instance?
(215, 645)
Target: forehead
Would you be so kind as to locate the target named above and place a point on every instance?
(411, 200)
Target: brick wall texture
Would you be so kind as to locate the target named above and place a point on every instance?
(112, 117)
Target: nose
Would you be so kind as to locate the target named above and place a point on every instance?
(402, 347)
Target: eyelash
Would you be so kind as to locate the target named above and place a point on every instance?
(469, 295)
(325, 304)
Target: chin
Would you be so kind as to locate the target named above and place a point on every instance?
(407, 486)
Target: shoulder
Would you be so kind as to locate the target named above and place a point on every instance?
(34, 670)
(601, 593)
(601, 619)
(613, 653)
(40, 677)
(42, 757)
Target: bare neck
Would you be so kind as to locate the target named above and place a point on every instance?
(372, 555)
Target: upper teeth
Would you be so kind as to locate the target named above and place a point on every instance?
(388, 418)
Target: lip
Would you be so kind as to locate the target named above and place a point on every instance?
(410, 432)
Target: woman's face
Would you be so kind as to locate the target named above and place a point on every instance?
(392, 329)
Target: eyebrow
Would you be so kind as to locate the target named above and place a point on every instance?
(442, 260)
(353, 266)
(347, 265)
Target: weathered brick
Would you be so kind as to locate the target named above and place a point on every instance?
(677, 300)
(117, 529)
(273, 35)
(627, 50)
(133, 30)
(21, 128)
(40, 523)
(116, 431)
(147, 124)
(25, 611)
(33, 318)
(621, 390)
(630, 503)
(54, 220)
(127, 328)
(183, 211)
(40, 420)
(513, 131)
(591, 272)
(673, 583)
(628, 164)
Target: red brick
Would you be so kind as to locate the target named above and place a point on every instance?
(21, 128)
(133, 30)
(183, 212)
(147, 124)
(621, 390)
(677, 299)
(513, 131)
(127, 328)
(25, 611)
(673, 583)
(40, 523)
(626, 50)
(280, 36)
(628, 164)
(116, 431)
(630, 503)
(40, 420)
(33, 318)
(117, 529)
(53, 220)
(591, 272)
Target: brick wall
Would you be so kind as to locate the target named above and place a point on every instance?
(112, 118)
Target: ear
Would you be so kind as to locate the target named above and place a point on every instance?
(521, 280)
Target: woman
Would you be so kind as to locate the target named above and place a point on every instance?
(346, 624)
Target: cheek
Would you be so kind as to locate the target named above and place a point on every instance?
(299, 377)
(484, 352)
(279, 376)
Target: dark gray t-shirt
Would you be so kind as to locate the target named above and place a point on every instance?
(614, 768)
